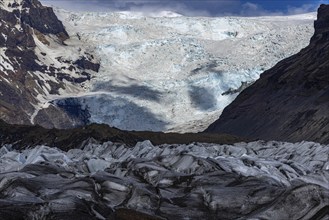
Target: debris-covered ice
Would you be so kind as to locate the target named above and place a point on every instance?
(258, 180)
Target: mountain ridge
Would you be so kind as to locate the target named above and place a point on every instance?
(33, 67)
(289, 102)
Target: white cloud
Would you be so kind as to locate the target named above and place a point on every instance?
(303, 9)
(176, 7)
(251, 9)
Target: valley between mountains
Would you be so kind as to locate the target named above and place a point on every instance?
(123, 116)
(176, 73)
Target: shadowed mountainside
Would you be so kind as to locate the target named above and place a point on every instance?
(290, 102)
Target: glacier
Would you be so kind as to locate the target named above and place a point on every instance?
(173, 73)
(256, 180)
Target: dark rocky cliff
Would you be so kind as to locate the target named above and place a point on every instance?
(290, 102)
(28, 33)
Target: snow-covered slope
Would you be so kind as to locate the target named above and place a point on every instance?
(170, 73)
(258, 180)
(35, 63)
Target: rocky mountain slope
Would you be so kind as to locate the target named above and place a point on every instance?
(25, 136)
(290, 101)
(35, 63)
(176, 73)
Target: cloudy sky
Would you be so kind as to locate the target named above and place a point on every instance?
(194, 7)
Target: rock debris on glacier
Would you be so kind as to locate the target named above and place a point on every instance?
(257, 180)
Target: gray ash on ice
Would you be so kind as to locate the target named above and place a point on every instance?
(258, 180)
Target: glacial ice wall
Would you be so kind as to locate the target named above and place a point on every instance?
(175, 73)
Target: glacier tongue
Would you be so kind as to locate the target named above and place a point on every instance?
(258, 180)
(177, 73)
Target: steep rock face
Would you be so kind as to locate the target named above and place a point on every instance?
(35, 63)
(42, 19)
(290, 101)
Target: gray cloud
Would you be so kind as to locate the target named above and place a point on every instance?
(185, 7)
